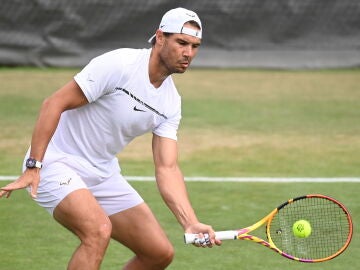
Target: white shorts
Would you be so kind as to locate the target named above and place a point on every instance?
(58, 179)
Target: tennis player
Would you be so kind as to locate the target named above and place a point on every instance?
(71, 168)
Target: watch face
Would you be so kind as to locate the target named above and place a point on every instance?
(30, 163)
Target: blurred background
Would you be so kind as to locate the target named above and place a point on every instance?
(285, 34)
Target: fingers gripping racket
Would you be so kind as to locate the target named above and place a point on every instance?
(311, 228)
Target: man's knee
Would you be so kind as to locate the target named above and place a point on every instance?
(100, 234)
(164, 256)
(169, 255)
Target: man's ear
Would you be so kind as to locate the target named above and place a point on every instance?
(160, 37)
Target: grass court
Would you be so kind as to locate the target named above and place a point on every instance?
(236, 123)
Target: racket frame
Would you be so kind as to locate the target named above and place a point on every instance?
(243, 234)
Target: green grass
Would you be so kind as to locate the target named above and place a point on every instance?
(31, 240)
(259, 123)
(235, 123)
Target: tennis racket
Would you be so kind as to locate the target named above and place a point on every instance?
(331, 229)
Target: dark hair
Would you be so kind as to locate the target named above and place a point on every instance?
(193, 23)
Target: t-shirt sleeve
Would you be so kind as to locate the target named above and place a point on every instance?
(97, 78)
(170, 126)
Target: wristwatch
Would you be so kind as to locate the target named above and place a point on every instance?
(33, 163)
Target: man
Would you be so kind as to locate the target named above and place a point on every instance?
(71, 168)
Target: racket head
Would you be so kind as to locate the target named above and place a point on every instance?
(331, 228)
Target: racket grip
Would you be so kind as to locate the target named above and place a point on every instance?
(191, 238)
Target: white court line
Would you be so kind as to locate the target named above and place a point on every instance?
(239, 179)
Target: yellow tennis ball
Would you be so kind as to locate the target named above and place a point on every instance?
(302, 228)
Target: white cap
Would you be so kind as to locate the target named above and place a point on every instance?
(173, 22)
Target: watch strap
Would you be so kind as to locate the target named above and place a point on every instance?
(33, 163)
(38, 164)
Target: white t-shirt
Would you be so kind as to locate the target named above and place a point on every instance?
(123, 104)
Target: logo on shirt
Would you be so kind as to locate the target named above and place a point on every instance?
(141, 102)
(89, 78)
(138, 110)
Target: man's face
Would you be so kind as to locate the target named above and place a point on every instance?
(178, 50)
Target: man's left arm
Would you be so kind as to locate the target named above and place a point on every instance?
(172, 187)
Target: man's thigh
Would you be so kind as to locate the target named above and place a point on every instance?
(138, 229)
(80, 213)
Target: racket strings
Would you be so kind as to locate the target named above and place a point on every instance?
(329, 228)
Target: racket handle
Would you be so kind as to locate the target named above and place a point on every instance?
(191, 238)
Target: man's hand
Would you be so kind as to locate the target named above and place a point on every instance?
(30, 178)
(202, 229)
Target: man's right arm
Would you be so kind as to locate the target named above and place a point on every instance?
(68, 97)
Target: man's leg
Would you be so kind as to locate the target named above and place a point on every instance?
(138, 229)
(80, 213)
